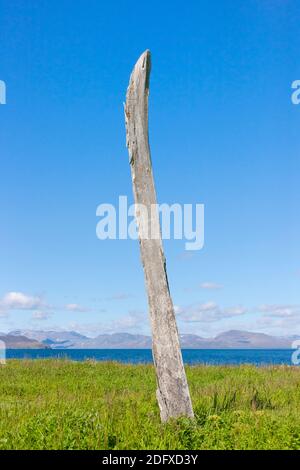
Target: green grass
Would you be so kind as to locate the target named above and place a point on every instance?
(59, 404)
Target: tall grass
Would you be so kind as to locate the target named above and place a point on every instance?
(59, 404)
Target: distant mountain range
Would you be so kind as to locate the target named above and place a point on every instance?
(233, 339)
(21, 342)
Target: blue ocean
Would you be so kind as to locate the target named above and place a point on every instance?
(258, 357)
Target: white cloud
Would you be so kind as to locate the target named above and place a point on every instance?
(177, 309)
(20, 301)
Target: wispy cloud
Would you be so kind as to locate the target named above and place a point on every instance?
(280, 317)
(211, 285)
(119, 296)
(280, 310)
(208, 312)
(208, 285)
(40, 315)
(76, 308)
(133, 322)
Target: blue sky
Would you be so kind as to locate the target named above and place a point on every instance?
(223, 132)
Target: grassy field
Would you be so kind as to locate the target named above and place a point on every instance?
(58, 404)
